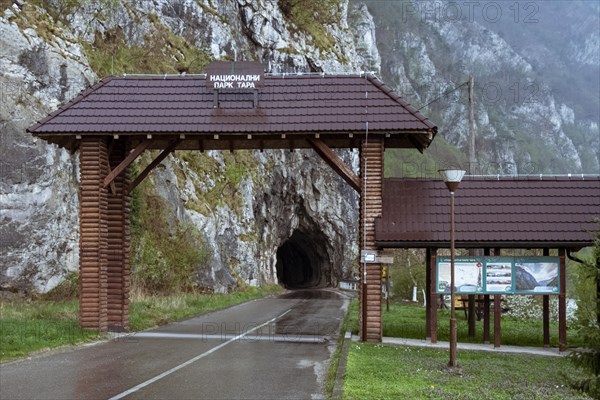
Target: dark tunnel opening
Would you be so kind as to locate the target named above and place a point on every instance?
(302, 262)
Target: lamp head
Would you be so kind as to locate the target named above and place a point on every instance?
(452, 177)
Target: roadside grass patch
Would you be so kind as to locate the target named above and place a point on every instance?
(149, 311)
(27, 327)
(402, 372)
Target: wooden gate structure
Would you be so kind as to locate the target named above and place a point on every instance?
(234, 106)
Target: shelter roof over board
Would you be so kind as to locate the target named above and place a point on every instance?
(236, 111)
(517, 212)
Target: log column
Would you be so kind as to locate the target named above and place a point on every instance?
(371, 172)
(93, 245)
(119, 206)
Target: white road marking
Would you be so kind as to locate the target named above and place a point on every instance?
(293, 338)
(192, 360)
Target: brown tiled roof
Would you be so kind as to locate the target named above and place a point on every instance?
(503, 212)
(292, 104)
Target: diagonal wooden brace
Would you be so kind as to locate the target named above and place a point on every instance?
(336, 163)
(126, 162)
(172, 146)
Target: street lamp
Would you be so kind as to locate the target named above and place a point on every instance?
(452, 178)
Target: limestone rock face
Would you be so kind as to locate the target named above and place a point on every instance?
(297, 194)
(286, 204)
(38, 182)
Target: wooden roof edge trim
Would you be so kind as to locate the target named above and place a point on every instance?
(397, 98)
(82, 95)
(482, 245)
(505, 178)
(360, 132)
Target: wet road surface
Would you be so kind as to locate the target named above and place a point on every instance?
(274, 348)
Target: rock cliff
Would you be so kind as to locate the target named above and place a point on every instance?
(526, 119)
(47, 57)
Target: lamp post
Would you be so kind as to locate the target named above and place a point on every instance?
(452, 178)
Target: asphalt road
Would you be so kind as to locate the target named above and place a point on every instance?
(274, 348)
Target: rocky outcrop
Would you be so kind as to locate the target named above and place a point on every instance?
(43, 65)
(38, 182)
(286, 202)
(430, 48)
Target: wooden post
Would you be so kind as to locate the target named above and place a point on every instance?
(93, 236)
(371, 173)
(433, 298)
(486, 318)
(387, 287)
(471, 315)
(546, 319)
(562, 303)
(471, 126)
(119, 208)
(546, 312)
(486, 310)
(428, 291)
(497, 314)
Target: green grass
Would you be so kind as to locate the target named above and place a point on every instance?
(26, 327)
(407, 320)
(335, 358)
(390, 372)
(30, 326)
(159, 310)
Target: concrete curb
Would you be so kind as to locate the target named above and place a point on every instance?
(338, 387)
(539, 351)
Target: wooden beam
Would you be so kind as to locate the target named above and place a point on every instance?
(335, 163)
(126, 162)
(172, 146)
(113, 189)
(415, 143)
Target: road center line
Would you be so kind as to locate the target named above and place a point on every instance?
(192, 360)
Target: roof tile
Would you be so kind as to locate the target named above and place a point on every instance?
(490, 212)
(304, 103)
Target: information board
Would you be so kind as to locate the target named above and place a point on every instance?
(499, 275)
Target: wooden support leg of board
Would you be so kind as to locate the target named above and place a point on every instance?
(562, 303)
(433, 297)
(371, 173)
(119, 205)
(486, 318)
(546, 312)
(93, 240)
(497, 320)
(428, 291)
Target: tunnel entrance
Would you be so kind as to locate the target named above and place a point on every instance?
(302, 261)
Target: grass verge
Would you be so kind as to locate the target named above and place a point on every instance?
(335, 359)
(407, 320)
(31, 326)
(390, 372)
(27, 327)
(147, 312)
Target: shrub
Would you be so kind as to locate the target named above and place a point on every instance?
(166, 253)
(67, 289)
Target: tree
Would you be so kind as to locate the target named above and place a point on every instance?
(588, 359)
